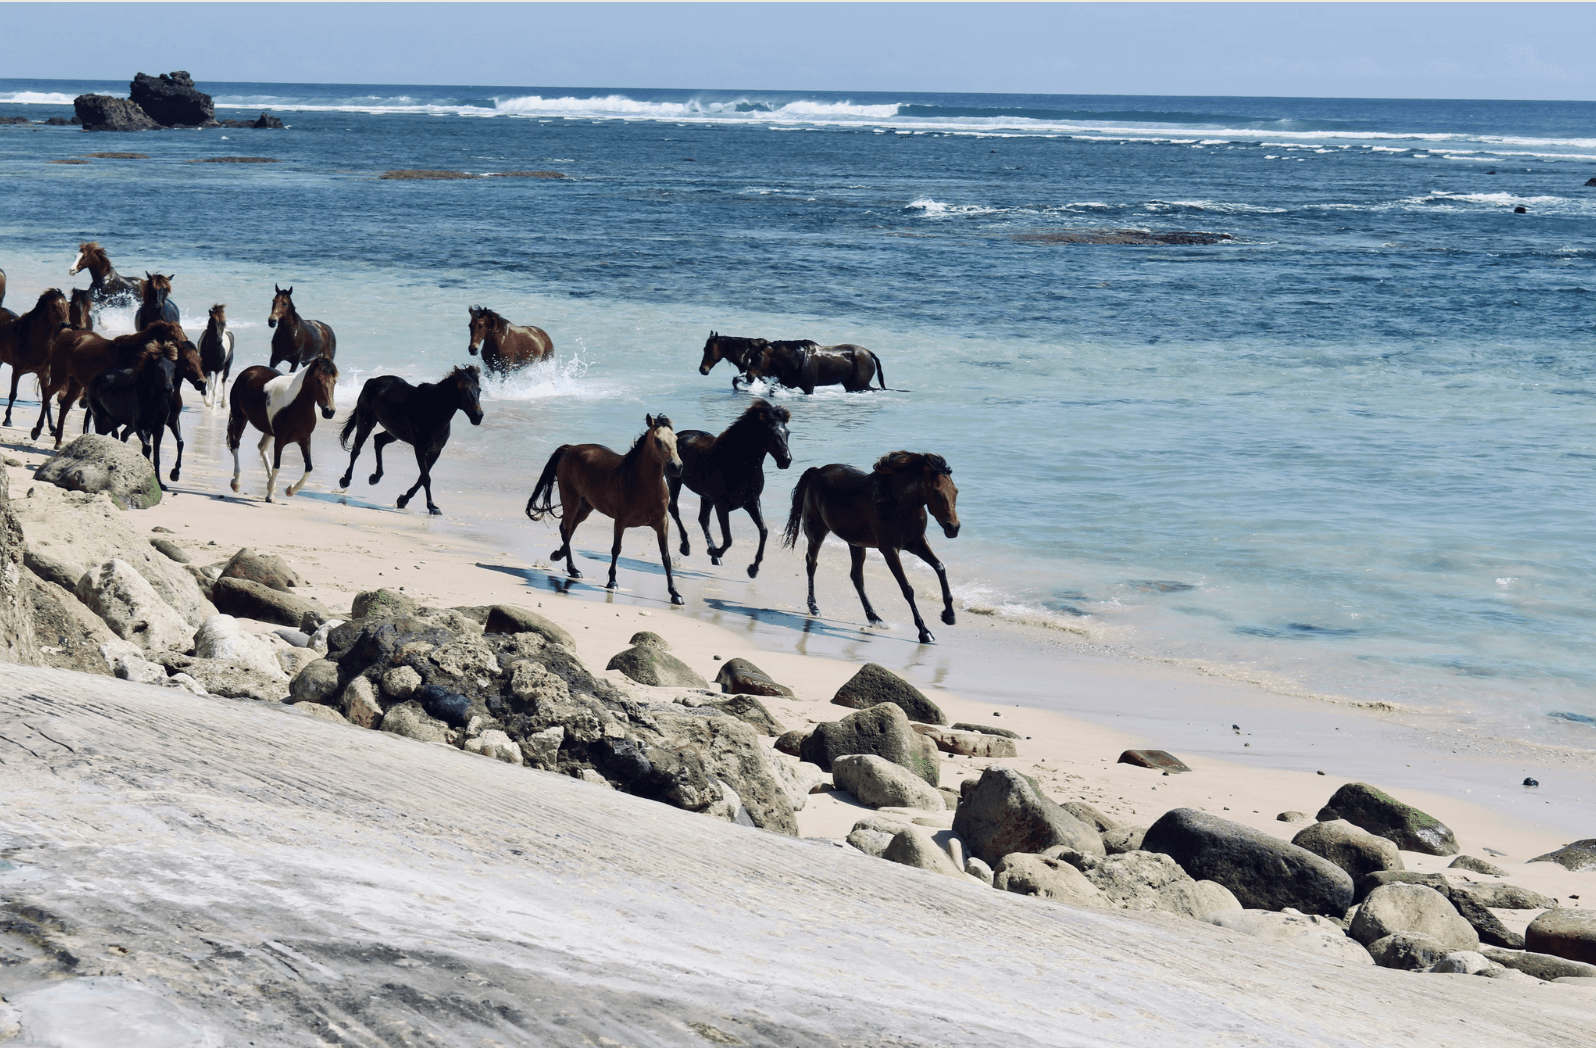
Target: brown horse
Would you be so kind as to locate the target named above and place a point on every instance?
(884, 509)
(733, 349)
(630, 488)
(156, 302)
(108, 287)
(297, 340)
(283, 408)
(189, 368)
(137, 398)
(802, 364)
(25, 344)
(505, 346)
(77, 356)
(80, 310)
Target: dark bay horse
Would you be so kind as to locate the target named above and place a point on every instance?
(803, 364)
(216, 355)
(156, 302)
(26, 343)
(108, 287)
(884, 509)
(505, 346)
(297, 340)
(80, 310)
(630, 488)
(188, 368)
(138, 398)
(733, 349)
(418, 415)
(77, 356)
(728, 472)
(283, 408)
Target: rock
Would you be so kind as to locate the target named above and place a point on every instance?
(66, 634)
(411, 721)
(127, 662)
(1212, 897)
(1473, 865)
(969, 743)
(170, 550)
(496, 744)
(295, 659)
(797, 778)
(221, 637)
(647, 662)
(882, 730)
(1369, 882)
(1006, 812)
(251, 600)
(741, 677)
(506, 618)
(450, 707)
(298, 638)
(588, 775)
(1541, 965)
(1291, 816)
(985, 729)
(94, 464)
(105, 113)
(879, 783)
(1089, 815)
(1383, 815)
(317, 682)
(912, 847)
(266, 120)
(1581, 855)
(1508, 897)
(1462, 962)
(791, 742)
(268, 570)
(1145, 881)
(1026, 874)
(1590, 181)
(1565, 932)
(1158, 760)
(359, 703)
(172, 101)
(1486, 924)
(1263, 872)
(225, 678)
(978, 869)
(382, 604)
(320, 712)
(750, 711)
(1307, 932)
(1355, 850)
(400, 683)
(875, 684)
(542, 748)
(50, 568)
(731, 752)
(1407, 951)
(1122, 839)
(1414, 908)
(131, 608)
(872, 842)
(950, 798)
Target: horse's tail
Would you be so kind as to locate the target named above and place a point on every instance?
(795, 520)
(351, 424)
(881, 372)
(536, 510)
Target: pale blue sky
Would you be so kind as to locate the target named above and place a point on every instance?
(1429, 50)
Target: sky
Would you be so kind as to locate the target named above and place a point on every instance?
(1398, 50)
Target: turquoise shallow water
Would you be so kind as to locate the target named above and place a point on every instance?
(1348, 449)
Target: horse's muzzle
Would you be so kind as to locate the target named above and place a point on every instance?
(703, 369)
(472, 349)
(327, 413)
(950, 530)
(476, 419)
(673, 469)
(783, 461)
(271, 321)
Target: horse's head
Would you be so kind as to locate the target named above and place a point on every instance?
(663, 439)
(468, 392)
(156, 288)
(189, 366)
(219, 315)
(321, 378)
(481, 324)
(80, 310)
(932, 475)
(282, 306)
(712, 353)
(775, 419)
(88, 250)
(52, 309)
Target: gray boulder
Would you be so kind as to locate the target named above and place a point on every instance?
(18, 640)
(267, 569)
(507, 618)
(879, 783)
(731, 752)
(648, 662)
(1408, 951)
(1026, 874)
(985, 729)
(1473, 865)
(252, 600)
(94, 464)
(222, 638)
(1353, 849)
(411, 721)
(872, 834)
(317, 682)
(106, 113)
(1310, 933)
(1412, 908)
(796, 777)
(1123, 839)
(1380, 878)
(1509, 897)
(170, 550)
(741, 677)
(1263, 872)
(132, 609)
(1486, 924)
(1089, 815)
(1565, 932)
(66, 634)
(1541, 965)
(791, 742)
(1384, 816)
(1006, 812)
(1581, 855)
(360, 705)
(1462, 962)
(225, 678)
(969, 743)
(912, 847)
(1146, 881)
(882, 730)
(875, 684)
(750, 711)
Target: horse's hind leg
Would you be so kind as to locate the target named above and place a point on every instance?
(758, 518)
(362, 431)
(922, 549)
(304, 449)
(890, 555)
(380, 441)
(425, 457)
(676, 514)
(615, 553)
(664, 556)
(172, 422)
(856, 573)
(271, 471)
(16, 377)
(568, 530)
(811, 560)
(704, 507)
(155, 457)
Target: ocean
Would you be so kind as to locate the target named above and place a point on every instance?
(1342, 445)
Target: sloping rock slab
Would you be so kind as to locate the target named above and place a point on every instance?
(1158, 760)
(1263, 872)
(507, 618)
(1319, 936)
(1581, 855)
(875, 684)
(1007, 812)
(1541, 965)
(741, 677)
(251, 600)
(648, 662)
(1383, 815)
(1564, 932)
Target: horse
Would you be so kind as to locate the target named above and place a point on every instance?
(731, 348)
(506, 347)
(80, 310)
(803, 364)
(106, 285)
(188, 367)
(418, 415)
(157, 303)
(77, 356)
(728, 472)
(283, 408)
(26, 342)
(630, 488)
(138, 398)
(298, 340)
(216, 355)
(884, 509)
(3, 291)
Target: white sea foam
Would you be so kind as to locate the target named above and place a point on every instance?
(936, 209)
(35, 98)
(742, 110)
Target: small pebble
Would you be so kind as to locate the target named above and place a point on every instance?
(1319, 773)
(1531, 782)
(715, 657)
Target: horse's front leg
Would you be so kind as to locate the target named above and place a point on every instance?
(758, 518)
(45, 421)
(922, 549)
(811, 561)
(890, 555)
(362, 431)
(704, 507)
(271, 471)
(304, 450)
(856, 573)
(380, 441)
(723, 514)
(155, 455)
(175, 425)
(661, 529)
(675, 485)
(615, 553)
(568, 530)
(16, 378)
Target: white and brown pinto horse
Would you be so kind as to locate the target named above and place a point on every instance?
(505, 346)
(283, 408)
(106, 285)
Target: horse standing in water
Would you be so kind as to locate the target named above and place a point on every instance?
(505, 346)
(803, 364)
(283, 408)
(26, 344)
(733, 349)
(106, 285)
(157, 303)
(77, 356)
(728, 473)
(418, 415)
(216, 355)
(297, 340)
(138, 398)
(630, 488)
(884, 509)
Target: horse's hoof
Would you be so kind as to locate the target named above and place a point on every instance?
(435, 511)
(753, 571)
(947, 617)
(374, 478)
(343, 483)
(404, 500)
(926, 638)
(610, 584)
(686, 550)
(715, 561)
(173, 475)
(676, 598)
(234, 486)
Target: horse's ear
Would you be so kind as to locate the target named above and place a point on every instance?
(290, 290)
(276, 288)
(648, 420)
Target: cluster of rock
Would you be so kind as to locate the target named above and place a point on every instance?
(156, 103)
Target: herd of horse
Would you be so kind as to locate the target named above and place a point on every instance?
(132, 384)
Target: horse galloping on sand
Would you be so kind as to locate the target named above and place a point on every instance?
(26, 344)
(802, 364)
(884, 509)
(297, 340)
(728, 473)
(77, 356)
(629, 488)
(505, 346)
(106, 285)
(283, 408)
(216, 355)
(188, 368)
(418, 415)
(137, 398)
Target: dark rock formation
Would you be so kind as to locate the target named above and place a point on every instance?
(874, 684)
(262, 121)
(741, 677)
(171, 100)
(1384, 816)
(1263, 872)
(1581, 855)
(1158, 760)
(882, 730)
(104, 113)
(15, 120)
(1006, 812)
(1564, 932)
(247, 599)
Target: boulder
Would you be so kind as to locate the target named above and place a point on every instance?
(411, 721)
(170, 550)
(292, 660)
(67, 634)
(648, 662)
(131, 608)
(1006, 812)
(496, 744)
(1158, 760)
(1310, 933)
(1581, 855)
(1263, 872)
(741, 677)
(225, 678)
(317, 682)
(985, 729)
(438, 702)
(1212, 897)
(267, 569)
(399, 683)
(1123, 839)
(1379, 878)
(172, 101)
(1089, 815)
(1291, 816)
(1473, 865)
(979, 870)
(879, 783)
(871, 835)
(93, 463)
(44, 563)
(1408, 951)
(1355, 850)
(252, 600)
(797, 778)
(222, 638)
(875, 684)
(882, 730)
(1412, 908)
(1486, 924)
(969, 743)
(359, 703)
(506, 618)
(542, 748)
(1541, 965)
(382, 604)
(127, 662)
(911, 847)
(1145, 881)
(105, 113)
(791, 742)
(320, 712)
(1462, 962)
(1508, 897)
(750, 711)
(1026, 874)
(1383, 815)
(732, 753)
(1565, 932)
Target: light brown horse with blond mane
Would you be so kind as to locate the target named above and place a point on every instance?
(630, 488)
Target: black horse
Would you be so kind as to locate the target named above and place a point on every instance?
(734, 349)
(728, 472)
(418, 415)
(802, 364)
(884, 509)
(297, 340)
(137, 398)
(157, 303)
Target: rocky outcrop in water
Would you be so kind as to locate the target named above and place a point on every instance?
(105, 113)
(156, 103)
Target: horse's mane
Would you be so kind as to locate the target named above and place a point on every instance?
(758, 414)
(901, 461)
(160, 331)
(220, 307)
(154, 351)
(91, 247)
(462, 370)
(630, 458)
